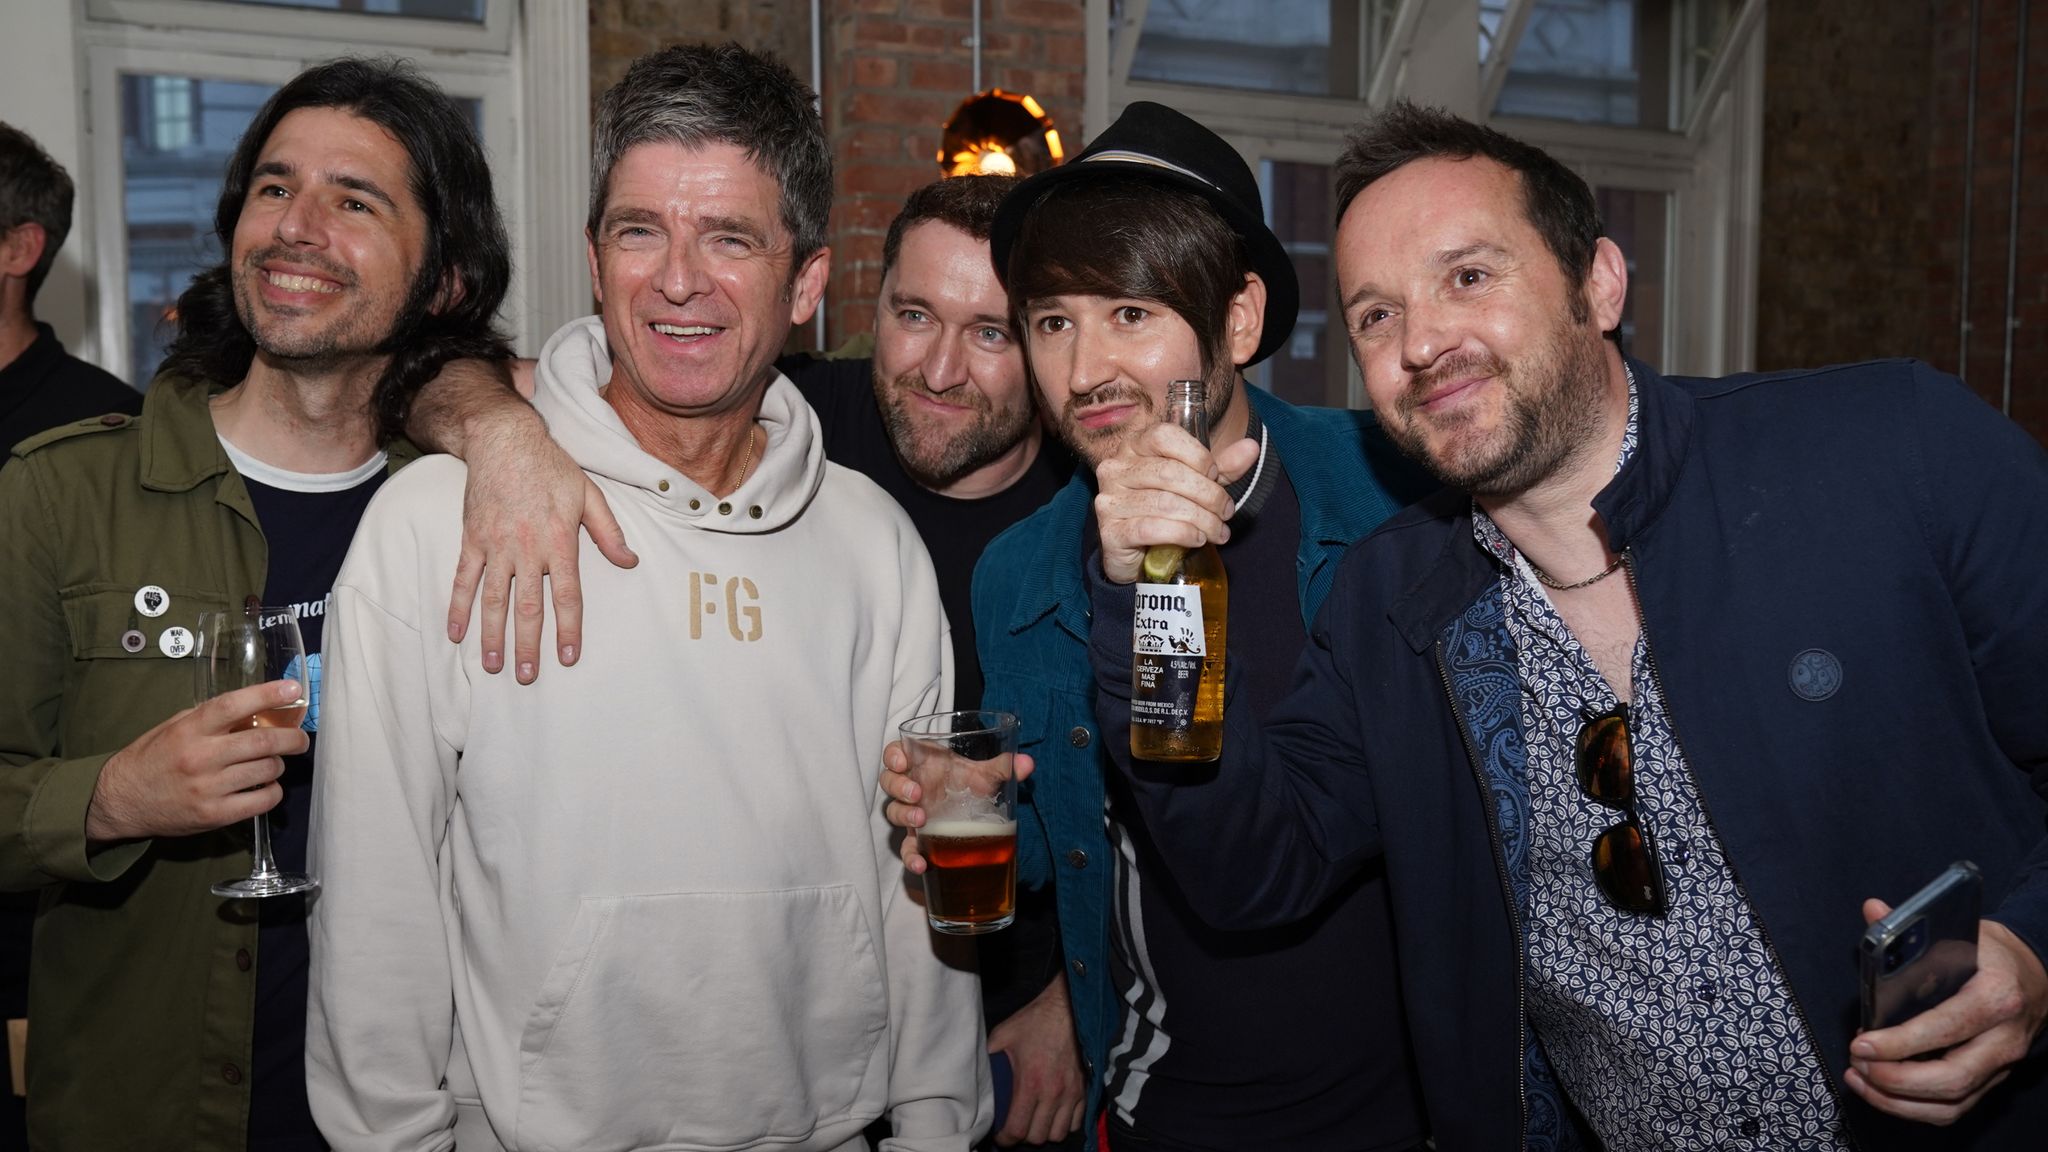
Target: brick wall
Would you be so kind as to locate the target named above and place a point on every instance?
(622, 31)
(895, 70)
(1862, 236)
(1845, 219)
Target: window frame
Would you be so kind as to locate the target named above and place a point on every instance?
(1711, 166)
(422, 34)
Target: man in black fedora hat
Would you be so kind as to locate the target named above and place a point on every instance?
(1145, 260)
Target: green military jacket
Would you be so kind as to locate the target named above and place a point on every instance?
(142, 983)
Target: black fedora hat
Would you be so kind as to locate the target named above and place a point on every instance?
(1155, 142)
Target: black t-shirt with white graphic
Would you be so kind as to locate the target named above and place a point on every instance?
(307, 524)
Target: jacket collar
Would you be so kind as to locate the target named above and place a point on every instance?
(1461, 571)
(19, 376)
(1632, 500)
(1340, 507)
(1055, 581)
(181, 450)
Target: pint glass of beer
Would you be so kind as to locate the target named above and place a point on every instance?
(965, 763)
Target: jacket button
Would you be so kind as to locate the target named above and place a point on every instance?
(113, 419)
(724, 508)
(1079, 737)
(231, 1074)
(242, 960)
(663, 485)
(133, 640)
(1080, 967)
(1077, 858)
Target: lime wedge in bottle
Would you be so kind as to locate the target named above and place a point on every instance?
(1161, 562)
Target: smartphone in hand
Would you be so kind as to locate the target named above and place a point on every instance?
(1925, 951)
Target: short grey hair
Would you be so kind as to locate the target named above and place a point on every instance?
(696, 94)
(34, 189)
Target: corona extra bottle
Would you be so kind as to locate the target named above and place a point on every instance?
(1177, 632)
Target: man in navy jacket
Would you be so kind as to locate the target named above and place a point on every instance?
(1641, 709)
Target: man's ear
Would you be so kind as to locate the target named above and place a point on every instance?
(1247, 319)
(596, 281)
(1606, 286)
(807, 287)
(20, 248)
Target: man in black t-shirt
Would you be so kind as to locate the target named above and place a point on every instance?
(942, 417)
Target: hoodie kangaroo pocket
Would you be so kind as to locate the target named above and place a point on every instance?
(701, 1020)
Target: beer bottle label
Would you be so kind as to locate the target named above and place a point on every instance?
(1168, 643)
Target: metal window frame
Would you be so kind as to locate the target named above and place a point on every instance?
(1711, 168)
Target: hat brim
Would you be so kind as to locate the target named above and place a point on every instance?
(1268, 258)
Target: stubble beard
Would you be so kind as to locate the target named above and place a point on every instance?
(339, 340)
(934, 461)
(1552, 416)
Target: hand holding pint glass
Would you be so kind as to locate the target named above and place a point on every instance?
(964, 763)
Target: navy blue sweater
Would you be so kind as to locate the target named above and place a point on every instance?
(1878, 513)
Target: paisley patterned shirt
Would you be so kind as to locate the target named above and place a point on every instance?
(1674, 1032)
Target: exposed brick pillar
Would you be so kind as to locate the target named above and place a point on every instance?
(894, 71)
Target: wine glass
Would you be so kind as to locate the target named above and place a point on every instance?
(237, 649)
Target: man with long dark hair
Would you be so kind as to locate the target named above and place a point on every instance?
(364, 249)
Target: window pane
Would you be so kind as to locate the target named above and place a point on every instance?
(470, 11)
(177, 133)
(1703, 28)
(1310, 367)
(1267, 45)
(1592, 61)
(1636, 221)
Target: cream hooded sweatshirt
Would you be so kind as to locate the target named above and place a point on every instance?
(648, 902)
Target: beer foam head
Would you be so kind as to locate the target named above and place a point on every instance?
(970, 828)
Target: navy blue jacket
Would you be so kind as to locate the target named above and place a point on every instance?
(1876, 514)
(1031, 625)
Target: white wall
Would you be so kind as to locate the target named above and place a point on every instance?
(43, 93)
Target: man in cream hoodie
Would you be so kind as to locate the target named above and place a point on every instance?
(649, 902)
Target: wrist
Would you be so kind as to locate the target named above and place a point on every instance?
(104, 821)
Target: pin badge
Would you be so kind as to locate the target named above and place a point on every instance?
(175, 642)
(132, 640)
(152, 601)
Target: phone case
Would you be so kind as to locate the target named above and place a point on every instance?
(1923, 952)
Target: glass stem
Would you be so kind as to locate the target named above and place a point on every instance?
(266, 866)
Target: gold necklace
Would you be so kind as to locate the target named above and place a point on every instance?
(1588, 582)
(747, 461)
